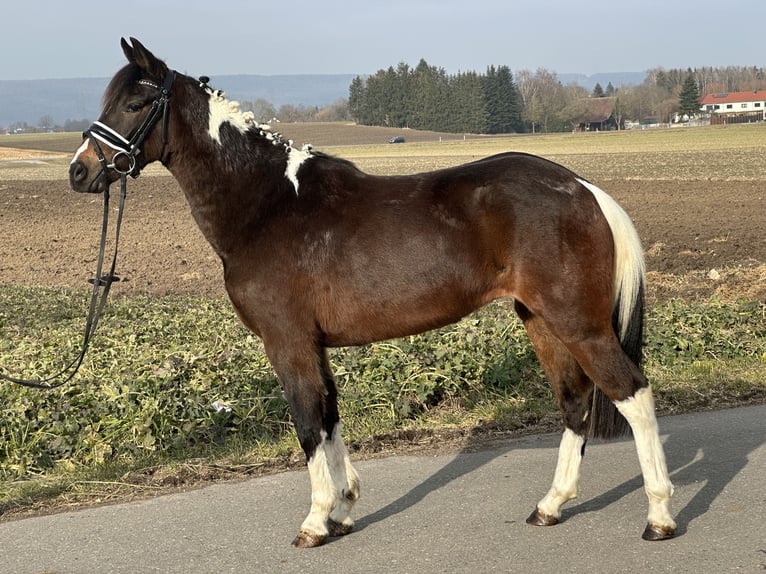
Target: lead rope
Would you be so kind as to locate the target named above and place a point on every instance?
(97, 303)
(130, 149)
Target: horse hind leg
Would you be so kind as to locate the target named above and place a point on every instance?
(622, 381)
(639, 411)
(573, 392)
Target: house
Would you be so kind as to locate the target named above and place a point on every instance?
(598, 114)
(735, 107)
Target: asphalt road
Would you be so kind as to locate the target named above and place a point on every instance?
(448, 513)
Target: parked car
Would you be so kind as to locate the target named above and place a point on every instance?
(396, 139)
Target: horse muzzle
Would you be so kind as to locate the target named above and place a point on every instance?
(86, 180)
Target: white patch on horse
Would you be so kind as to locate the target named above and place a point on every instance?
(295, 159)
(80, 150)
(567, 475)
(345, 479)
(226, 111)
(639, 412)
(322, 491)
(334, 485)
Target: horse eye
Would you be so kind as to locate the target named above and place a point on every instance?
(135, 107)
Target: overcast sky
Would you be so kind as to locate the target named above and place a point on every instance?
(75, 38)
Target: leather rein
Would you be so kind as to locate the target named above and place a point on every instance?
(102, 283)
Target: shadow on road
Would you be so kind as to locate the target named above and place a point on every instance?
(457, 467)
(711, 455)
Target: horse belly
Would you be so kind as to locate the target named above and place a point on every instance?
(396, 301)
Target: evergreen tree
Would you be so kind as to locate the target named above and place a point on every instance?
(689, 98)
(503, 101)
(598, 91)
(356, 101)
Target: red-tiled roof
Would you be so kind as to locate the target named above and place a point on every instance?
(734, 97)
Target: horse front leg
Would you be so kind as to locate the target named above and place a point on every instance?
(310, 389)
(344, 476)
(565, 481)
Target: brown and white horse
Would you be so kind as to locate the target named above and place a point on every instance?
(318, 254)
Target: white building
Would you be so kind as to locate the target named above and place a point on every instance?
(735, 107)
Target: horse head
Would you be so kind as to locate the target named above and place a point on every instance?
(132, 129)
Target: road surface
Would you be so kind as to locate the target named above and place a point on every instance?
(448, 513)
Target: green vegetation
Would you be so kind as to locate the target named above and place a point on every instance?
(427, 97)
(140, 414)
(145, 394)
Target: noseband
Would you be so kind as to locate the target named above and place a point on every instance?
(100, 132)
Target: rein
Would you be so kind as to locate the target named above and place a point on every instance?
(130, 149)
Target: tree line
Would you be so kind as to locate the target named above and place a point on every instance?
(426, 97)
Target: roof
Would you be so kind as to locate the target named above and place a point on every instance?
(734, 97)
(597, 110)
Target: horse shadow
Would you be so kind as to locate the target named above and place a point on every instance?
(694, 455)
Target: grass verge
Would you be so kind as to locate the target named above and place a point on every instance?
(141, 415)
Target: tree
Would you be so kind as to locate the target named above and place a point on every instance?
(263, 110)
(598, 91)
(689, 97)
(46, 123)
(356, 100)
(503, 102)
(544, 97)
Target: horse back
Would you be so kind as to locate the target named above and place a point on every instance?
(361, 257)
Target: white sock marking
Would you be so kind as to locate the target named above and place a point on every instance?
(639, 412)
(567, 475)
(322, 491)
(332, 478)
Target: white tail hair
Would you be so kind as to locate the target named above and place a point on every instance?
(629, 266)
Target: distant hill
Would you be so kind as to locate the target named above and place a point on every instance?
(616, 78)
(75, 99)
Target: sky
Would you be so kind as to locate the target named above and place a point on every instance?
(42, 39)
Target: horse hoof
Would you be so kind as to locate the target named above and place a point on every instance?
(339, 529)
(309, 540)
(538, 518)
(653, 532)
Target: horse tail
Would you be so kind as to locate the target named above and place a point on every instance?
(628, 311)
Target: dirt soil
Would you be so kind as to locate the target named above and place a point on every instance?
(701, 237)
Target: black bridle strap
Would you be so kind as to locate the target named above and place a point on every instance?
(97, 303)
(99, 131)
(132, 148)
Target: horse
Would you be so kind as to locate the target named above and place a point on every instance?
(318, 254)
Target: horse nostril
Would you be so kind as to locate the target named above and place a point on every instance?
(77, 172)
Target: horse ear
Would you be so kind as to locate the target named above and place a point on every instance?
(143, 58)
(127, 50)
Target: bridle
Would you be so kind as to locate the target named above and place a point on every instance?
(130, 149)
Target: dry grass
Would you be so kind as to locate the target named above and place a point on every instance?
(717, 153)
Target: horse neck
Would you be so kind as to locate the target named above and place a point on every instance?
(228, 182)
